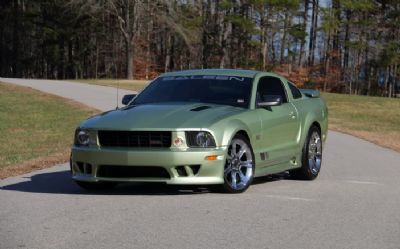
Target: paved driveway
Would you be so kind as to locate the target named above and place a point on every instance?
(355, 203)
(100, 97)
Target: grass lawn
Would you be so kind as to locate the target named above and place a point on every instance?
(375, 119)
(134, 85)
(36, 129)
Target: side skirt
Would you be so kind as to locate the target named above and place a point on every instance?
(277, 168)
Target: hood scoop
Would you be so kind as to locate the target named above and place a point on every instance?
(200, 108)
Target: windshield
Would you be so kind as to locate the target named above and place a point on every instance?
(223, 90)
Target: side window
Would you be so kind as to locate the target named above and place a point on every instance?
(271, 86)
(295, 91)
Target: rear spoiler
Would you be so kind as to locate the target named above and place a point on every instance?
(310, 93)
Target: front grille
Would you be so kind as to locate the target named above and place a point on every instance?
(116, 171)
(136, 139)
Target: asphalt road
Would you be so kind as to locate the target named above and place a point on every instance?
(101, 97)
(354, 203)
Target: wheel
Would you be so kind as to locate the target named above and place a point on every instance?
(96, 185)
(311, 157)
(239, 166)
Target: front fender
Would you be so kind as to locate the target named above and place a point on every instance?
(234, 126)
(225, 131)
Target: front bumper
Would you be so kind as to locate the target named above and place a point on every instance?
(209, 171)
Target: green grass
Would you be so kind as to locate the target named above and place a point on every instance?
(134, 85)
(376, 119)
(34, 124)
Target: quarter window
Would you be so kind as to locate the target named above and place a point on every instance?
(295, 91)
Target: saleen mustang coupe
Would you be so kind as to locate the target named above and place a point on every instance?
(220, 127)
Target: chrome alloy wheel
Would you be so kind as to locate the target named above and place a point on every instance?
(238, 171)
(314, 153)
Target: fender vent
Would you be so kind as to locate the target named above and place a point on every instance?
(264, 156)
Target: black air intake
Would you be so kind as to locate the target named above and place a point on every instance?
(117, 171)
(135, 139)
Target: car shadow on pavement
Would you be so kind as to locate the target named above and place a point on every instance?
(271, 178)
(61, 183)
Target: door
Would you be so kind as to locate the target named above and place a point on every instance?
(280, 124)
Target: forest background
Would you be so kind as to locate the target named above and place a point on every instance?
(339, 46)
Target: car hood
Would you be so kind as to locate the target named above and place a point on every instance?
(161, 116)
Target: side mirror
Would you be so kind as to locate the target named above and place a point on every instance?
(128, 98)
(270, 100)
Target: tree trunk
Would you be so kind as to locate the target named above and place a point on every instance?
(302, 44)
(313, 33)
(129, 60)
(148, 36)
(283, 42)
(315, 24)
(369, 81)
(167, 64)
(224, 45)
(264, 33)
(61, 61)
(2, 51)
(336, 59)
(327, 61)
(15, 67)
(96, 70)
(206, 12)
(273, 47)
(346, 40)
(70, 65)
(390, 83)
(386, 80)
(395, 79)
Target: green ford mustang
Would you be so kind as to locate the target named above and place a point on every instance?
(198, 127)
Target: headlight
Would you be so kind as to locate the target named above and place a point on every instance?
(201, 139)
(83, 137)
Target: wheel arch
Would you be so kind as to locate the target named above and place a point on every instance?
(310, 121)
(317, 116)
(316, 124)
(243, 133)
(233, 128)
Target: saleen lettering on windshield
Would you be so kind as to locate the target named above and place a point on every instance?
(203, 127)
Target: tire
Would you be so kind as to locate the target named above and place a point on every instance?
(94, 186)
(239, 166)
(311, 156)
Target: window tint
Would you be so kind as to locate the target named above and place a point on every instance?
(295, 91)
(214, 89)
(271, 86)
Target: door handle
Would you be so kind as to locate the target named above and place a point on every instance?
(293, 115)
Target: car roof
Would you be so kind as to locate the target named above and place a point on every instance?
(225, 72)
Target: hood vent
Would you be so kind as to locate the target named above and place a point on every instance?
(200, 108)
